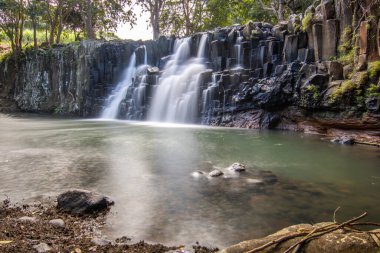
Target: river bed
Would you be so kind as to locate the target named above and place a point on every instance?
(147, 169)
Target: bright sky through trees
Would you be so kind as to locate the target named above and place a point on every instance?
(140, 30)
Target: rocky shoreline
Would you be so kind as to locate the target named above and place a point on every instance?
(72, 223)
(48, 227)
(360, 130)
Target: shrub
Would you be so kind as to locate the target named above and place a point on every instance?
(313, 90)
(306, 21)
(372, 91)
(346, 87)
(374, 69)
(348, 57)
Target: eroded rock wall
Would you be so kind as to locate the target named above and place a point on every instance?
(74, 79)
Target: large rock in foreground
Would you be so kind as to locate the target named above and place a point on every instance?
(82, 202)
(339, 241)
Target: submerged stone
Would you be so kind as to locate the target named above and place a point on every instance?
(215, 173)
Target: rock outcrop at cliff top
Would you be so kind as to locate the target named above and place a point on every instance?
(302, 74)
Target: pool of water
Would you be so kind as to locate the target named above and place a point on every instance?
(146, 168)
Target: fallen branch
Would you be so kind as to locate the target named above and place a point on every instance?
(326, 231)
(317, 232)
(282, 239)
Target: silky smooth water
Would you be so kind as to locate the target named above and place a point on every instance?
(147, 170)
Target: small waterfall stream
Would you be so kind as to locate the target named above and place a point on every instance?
(238, 50)
(119, 94)
(175, 97)
(112, 104)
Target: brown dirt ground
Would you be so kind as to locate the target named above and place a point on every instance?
(75, 237)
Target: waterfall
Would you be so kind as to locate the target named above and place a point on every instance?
(238, 50)
(112, 109)
(202, 46)
(207, 103)
(175, 97)
(145, 56)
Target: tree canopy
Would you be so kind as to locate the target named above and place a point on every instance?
(49, 21)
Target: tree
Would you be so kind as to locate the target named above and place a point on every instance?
(280, 8)
(12, 19)
(99, 15)
(35, 12)
(154, 7)
(183, 17)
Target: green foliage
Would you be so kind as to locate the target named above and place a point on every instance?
(374, 69)
(314, 90)
(5, 56)
(33, 22)
(60, 110)
(372, 91)
(347, 58)
(361, 79)
(208, 15)
(306, 21)
(345, 49)
(347, 86)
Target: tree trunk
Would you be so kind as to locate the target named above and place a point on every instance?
(281, 10)
(60, 28)
(186, 12)
(34, 24)
(155, 21)
(53, 27)
(88, 21)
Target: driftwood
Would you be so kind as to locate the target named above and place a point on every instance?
(317, 232)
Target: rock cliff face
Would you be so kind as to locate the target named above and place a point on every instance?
(74, 79)
(317, 72)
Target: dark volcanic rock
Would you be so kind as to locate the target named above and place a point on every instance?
(345, 140)
(82, 202)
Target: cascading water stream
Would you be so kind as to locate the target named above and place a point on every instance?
(145, 56)
(119, 94)
(202, 46)
(176, 96)
(207, 103)
(114, 100)
(238, 50)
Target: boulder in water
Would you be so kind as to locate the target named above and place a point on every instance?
(215, 173)
(345, 140)
(82, 202)
(267, 176)
(237, 167)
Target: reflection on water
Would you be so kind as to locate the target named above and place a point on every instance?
(147, 170)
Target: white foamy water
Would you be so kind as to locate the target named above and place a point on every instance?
(176, 96)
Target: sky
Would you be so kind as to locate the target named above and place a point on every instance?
(140, 30)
